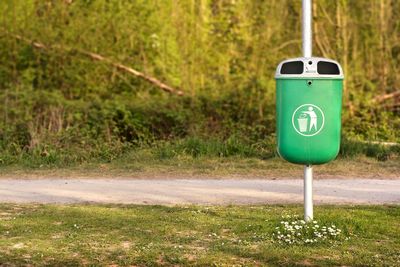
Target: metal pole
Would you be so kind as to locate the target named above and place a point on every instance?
(307, 52)
(308, 194)
(307, 30)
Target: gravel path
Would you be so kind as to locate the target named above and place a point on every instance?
(181, 191)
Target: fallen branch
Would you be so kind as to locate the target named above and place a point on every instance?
(379, 143)
(101, 58)
(384, 97)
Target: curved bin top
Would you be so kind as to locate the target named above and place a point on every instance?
(309, 67)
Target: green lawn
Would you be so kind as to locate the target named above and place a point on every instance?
(144, 164)
(195, 157)
(191, 235)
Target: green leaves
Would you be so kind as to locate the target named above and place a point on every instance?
(221, 53)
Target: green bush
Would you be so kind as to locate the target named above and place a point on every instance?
(60, 106)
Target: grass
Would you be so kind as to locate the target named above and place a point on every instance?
(144, 164)
(70, 235)
(195, 157)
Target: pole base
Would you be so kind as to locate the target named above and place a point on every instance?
(308, 194)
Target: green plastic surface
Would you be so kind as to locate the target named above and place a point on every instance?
(308, 119)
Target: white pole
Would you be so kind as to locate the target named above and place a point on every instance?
(308, 193)
(307, 30)
(307, 52)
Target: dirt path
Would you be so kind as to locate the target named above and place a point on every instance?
(181, 191)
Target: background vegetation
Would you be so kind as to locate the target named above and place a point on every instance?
(66, 94)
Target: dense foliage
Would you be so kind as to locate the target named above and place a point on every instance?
(221, 53)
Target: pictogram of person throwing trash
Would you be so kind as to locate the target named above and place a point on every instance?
(313, 118)
(308, 119)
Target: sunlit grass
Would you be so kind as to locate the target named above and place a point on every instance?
(198, 157)
(191, 235)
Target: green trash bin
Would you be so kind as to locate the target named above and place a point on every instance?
(308, 109)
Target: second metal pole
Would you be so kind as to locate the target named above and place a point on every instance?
(308, 194)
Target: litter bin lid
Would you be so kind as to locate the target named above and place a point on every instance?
(309, 67)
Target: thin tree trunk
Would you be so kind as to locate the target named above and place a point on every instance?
(382, 41)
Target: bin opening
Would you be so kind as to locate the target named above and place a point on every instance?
(293, 67)
(330, 68)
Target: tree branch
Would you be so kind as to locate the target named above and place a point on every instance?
(381, 98)
(98, 57)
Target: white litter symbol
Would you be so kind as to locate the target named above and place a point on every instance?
(308, 120)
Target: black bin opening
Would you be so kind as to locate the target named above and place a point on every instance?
(294, 67)
(324, 67)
